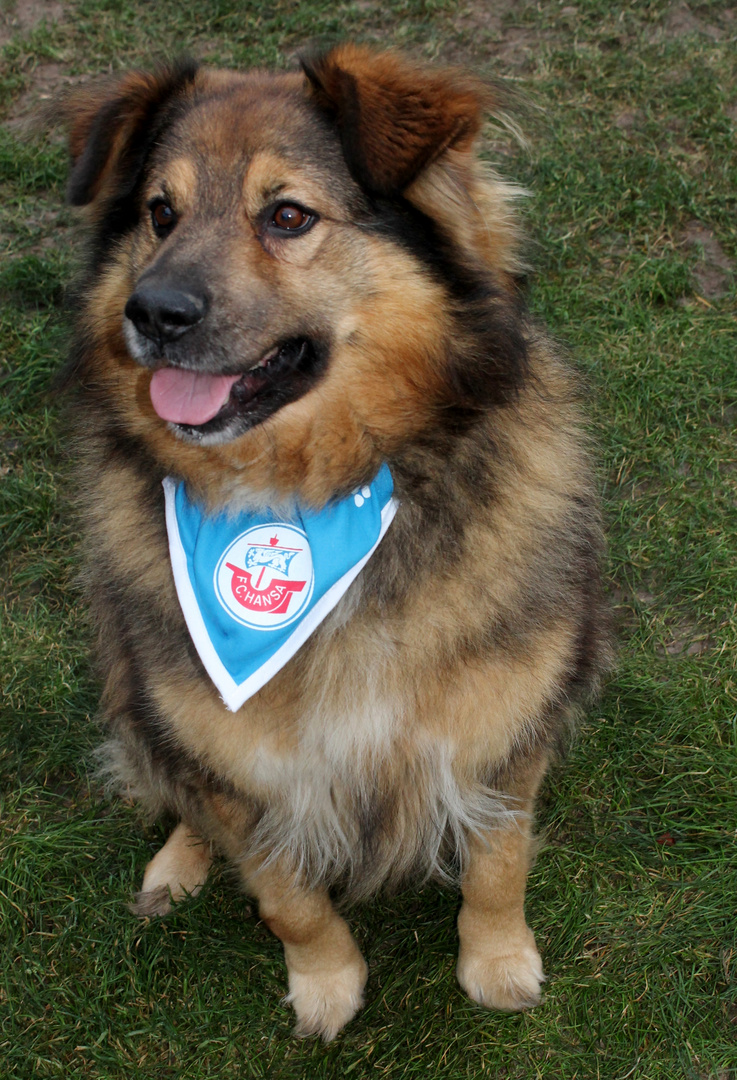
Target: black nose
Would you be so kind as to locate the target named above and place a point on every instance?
(163, 313)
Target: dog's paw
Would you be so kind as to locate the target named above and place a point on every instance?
(158, 898)
(152, 902)
(177, 871)
(505, 979)
(325, 1001)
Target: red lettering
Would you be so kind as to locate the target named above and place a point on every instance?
(274, 600)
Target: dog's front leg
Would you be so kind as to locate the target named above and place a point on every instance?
(327, 972)
(498, 963)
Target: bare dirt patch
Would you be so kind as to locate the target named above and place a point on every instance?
(485, 19)
(45, 82)
(714, 270)
(680, 21)
(487, 33)
(629, 120)
(26, 15)
(44, 79)
(685, 640)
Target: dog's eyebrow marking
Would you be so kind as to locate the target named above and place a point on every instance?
(270, 176)
(262, 168)
(180, 183)
(164, 191)
(271, 192)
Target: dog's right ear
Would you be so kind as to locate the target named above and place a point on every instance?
(113, 128)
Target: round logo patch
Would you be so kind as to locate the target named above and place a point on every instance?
(264, 579)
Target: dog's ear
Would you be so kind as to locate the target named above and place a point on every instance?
(113, 128)
(394, 117)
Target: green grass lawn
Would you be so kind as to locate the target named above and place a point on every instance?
(631, 114)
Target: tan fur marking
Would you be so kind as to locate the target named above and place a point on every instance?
(179, 180)
(475, 206)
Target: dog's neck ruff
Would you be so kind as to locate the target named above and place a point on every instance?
(253, 588)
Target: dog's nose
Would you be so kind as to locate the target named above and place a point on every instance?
(163, 314)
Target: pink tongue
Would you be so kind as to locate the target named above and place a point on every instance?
(187, 397)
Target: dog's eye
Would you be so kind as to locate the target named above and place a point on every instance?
(163, 218)
(291, 218)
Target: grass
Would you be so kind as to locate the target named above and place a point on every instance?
(631, 110)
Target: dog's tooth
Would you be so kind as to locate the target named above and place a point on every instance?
(264, 361)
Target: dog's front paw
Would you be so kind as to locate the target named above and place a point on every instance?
(325, 1001)
(500, 977)
(178, 870)
(151, 903)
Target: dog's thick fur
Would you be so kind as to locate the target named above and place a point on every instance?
(409, 735)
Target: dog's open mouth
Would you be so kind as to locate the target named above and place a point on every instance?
(205, 403)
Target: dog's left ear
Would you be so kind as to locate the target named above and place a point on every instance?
(394, 117)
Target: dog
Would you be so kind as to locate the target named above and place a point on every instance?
(303, 357)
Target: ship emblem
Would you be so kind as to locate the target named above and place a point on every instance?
(264, 579)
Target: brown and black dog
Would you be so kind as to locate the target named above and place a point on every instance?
(293, 280)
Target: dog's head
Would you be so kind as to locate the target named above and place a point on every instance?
(293, 276)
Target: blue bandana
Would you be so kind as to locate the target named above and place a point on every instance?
(253, 588)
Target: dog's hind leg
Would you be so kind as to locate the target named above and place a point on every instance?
(327, 972)
(178, 870)
(498, 962)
